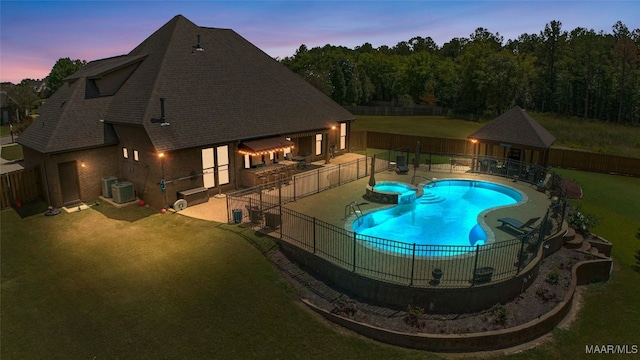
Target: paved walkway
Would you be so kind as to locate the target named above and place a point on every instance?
(216, 208)
(7, 166)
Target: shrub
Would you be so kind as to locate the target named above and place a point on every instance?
(545, 294)
(344, 307)
(583, 222)
(499, 311)
(553, 277)
(414, 317)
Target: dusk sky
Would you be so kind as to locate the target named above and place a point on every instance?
(35, 34)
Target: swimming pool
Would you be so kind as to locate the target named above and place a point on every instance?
(446, 214)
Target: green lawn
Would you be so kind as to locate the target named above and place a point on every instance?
(146, 286)
(569, 132)
(434, 126)
(12, 152)
(5, 130)
(130, 283)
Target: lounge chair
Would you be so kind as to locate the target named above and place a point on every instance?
(401, 165)
(517, 224)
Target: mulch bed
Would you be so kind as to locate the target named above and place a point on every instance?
(572, 189)
(546, 291)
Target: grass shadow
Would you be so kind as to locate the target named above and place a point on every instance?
(129, 213)
(31, 208)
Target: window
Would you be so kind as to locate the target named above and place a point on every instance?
(209, 168)
(208, 164)
(125, 153)
(135, 155)
(343, 136)
(247, 161)
(287, 150)
(318, 144)
(222, 153)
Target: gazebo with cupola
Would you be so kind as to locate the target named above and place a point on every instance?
(512, 143)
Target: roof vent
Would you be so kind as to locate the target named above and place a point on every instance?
(161, 120)
(197, 47)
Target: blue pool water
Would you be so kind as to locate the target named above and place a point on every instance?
(446, 214)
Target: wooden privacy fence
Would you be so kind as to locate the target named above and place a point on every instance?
(20, 186)
(595, 162)
(561, 158)
(378, 140)
(395, 110)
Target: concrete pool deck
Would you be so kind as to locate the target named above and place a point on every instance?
(329, 205)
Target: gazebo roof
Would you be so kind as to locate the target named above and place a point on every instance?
(516, 128)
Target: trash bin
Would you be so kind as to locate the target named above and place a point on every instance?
(237, 215)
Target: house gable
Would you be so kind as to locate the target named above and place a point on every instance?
(109, 82)
(515, 127)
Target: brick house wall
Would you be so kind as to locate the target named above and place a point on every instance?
(91, 164)
(182, 168)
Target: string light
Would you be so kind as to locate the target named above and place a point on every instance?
(264, 152)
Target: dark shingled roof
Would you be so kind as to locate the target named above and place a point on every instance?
(230, 91)
(515, 127)
(70, 121)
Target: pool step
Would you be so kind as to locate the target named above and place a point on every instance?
(430, 198)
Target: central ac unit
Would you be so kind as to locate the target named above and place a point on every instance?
(123, 192)
(106, 185)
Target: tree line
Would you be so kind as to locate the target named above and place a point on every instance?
(30, 93)
(582, 73)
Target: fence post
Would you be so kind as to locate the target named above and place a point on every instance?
(475, 266)
(314, 235)
(520, 261)
(354, 252)
(280, 209)
(280, 192)
(294, 188)
(229, 210)
(366, 168)
(543, 229)
(413, 264)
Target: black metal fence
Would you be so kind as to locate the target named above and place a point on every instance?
(389, 260)
(303, 184)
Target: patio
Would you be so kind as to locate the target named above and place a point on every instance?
(216, 208)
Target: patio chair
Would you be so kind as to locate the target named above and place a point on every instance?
(517, 224)
(401, 165)
(255, 215)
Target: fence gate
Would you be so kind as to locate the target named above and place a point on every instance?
(19, 187)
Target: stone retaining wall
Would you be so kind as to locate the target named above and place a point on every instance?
(584, 272)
